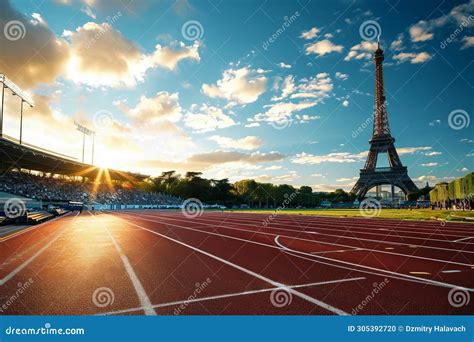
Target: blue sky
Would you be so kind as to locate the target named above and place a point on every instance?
(274, 91)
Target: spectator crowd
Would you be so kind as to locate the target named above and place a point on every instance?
(65, 189)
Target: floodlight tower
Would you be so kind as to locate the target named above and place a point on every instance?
(85, 131)
(24, 97)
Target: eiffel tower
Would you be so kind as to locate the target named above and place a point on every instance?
(382, 142)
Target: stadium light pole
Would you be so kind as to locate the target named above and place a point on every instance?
(93, 142)
(3, 104)
(6, 83)
(84, 130)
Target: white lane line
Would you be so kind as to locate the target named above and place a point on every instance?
(432, 282)
(451, 271)
(340, 251)
(142, 296)
(324, 234)
(366, 269)
(332, 227)
(237, 294)
(335, 244)
(33, 257)
(466, 238)
(249, 272)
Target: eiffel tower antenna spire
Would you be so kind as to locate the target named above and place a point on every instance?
(382, 142)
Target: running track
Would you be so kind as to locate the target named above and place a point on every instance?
(164, 263)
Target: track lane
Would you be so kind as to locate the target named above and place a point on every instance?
(254, 249)
(406, 249)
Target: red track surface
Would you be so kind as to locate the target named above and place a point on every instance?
(154, 262)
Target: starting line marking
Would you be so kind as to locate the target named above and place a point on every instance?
(230, 295)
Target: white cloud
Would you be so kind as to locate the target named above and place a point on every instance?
(304, 118)
(207, 118)
(323, 47)
(429, 164)
(273, 167)
(287, 88)
(414, 58)
(317, 175)
(247, 143)
(282, 111)
(411, 150)
(310, 91)
(340, 157)
(23, 54)
(310, 34)
(420, 32)
(345, 157)
(278, 179)
(363, 50)
(242, 85)
(345, 103)
(284, 66)
(162, 107)
(346, 180)
(317, 87)
(433, 153)
(341, 76)
(102, 56)
(468, 42)
(397, 44)
(169, 56)
(459, 15)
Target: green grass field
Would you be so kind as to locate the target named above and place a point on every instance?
(403, 214)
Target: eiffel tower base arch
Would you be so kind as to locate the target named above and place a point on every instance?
(389, 176)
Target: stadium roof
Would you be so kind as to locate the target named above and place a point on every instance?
(26, 156)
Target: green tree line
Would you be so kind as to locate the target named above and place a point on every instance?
(247, 191)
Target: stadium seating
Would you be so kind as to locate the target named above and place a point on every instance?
(66, 190)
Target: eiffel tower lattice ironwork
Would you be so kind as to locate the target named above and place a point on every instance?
(382, 142)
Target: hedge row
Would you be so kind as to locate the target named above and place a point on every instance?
(458, 189)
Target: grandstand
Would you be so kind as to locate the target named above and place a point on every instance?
(44, 180)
